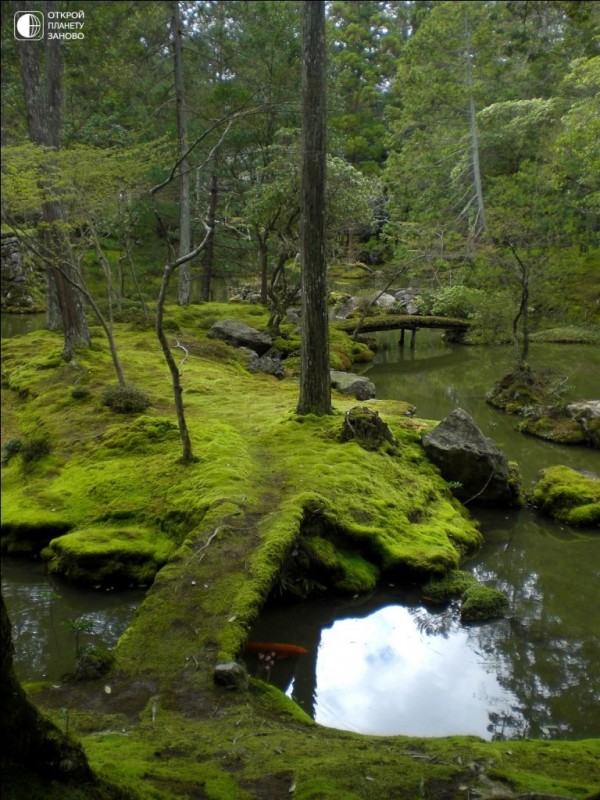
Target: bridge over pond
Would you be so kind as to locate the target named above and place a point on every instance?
(403, 323)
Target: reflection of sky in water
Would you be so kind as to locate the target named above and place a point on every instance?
(382, 675)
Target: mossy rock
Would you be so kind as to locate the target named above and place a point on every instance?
(568, 496)
(366, 427)
(442, 590)
(554, 428)
(481, 603)
(522, 391)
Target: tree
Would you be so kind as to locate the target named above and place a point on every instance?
(184, 287)
(43, 107)
(315, 384)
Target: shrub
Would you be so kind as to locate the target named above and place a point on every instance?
(457, 301)
(126, 399)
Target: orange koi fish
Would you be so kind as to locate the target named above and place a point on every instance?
(281, 650)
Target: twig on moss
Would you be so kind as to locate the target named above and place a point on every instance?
(185, 358)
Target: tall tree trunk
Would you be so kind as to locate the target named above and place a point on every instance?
(209, 253)
(263, 265)
(43, 106)
(315, 384)
(185, 278)
(480, 224)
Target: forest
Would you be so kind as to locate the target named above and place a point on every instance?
(215, 212)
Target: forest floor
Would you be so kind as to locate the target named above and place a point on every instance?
(219, 533)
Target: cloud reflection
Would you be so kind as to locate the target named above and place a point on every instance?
(383, 675)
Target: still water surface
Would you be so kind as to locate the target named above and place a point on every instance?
(388, 664)
(41, 608)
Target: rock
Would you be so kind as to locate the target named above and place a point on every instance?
(231, 675)
(366, 427)
(356, 385)
(239, 334)
(472, 461)
(344, 311)
(267, 364)
(587, 414)
(385, 301)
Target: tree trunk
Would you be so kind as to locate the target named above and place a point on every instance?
(185, 279)
(480, 224)
(187, 455)
(43, 105)
(315, 385)
(263, 266)
(209, 253)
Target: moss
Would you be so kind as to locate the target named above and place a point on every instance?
(482, 603)
(555, 428)
(224, 525)
(108, 556)
(568, 496)
(570, 334)
(444, 589)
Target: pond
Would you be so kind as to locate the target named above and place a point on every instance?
(390, 665)
(42, 611)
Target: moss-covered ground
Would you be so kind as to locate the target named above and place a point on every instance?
(107, 495)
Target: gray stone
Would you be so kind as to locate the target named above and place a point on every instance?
(271, 366)
(356, 385)
(385, 301)
(586, 412)
(239, 334)
(473, 462)
(343, 311)
(231, 675)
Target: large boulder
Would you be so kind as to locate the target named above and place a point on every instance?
(356, 385)
(239, 334)
(472, 462)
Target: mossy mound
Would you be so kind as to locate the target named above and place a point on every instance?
(479, 602)
(108, 556)
(555, 427)
(442, 590)
(568, 496)
(482, 603)
(568, 334)
(522, 391)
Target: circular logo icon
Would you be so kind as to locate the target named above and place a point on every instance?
(29, 25)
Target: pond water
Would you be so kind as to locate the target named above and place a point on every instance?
(42, 609)
(20, 324)
(390, 665)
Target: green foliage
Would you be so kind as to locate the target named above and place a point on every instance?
(455, 301)
(126, 399)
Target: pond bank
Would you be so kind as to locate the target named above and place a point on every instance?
(157, 722)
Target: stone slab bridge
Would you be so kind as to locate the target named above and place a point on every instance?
(405, 322)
